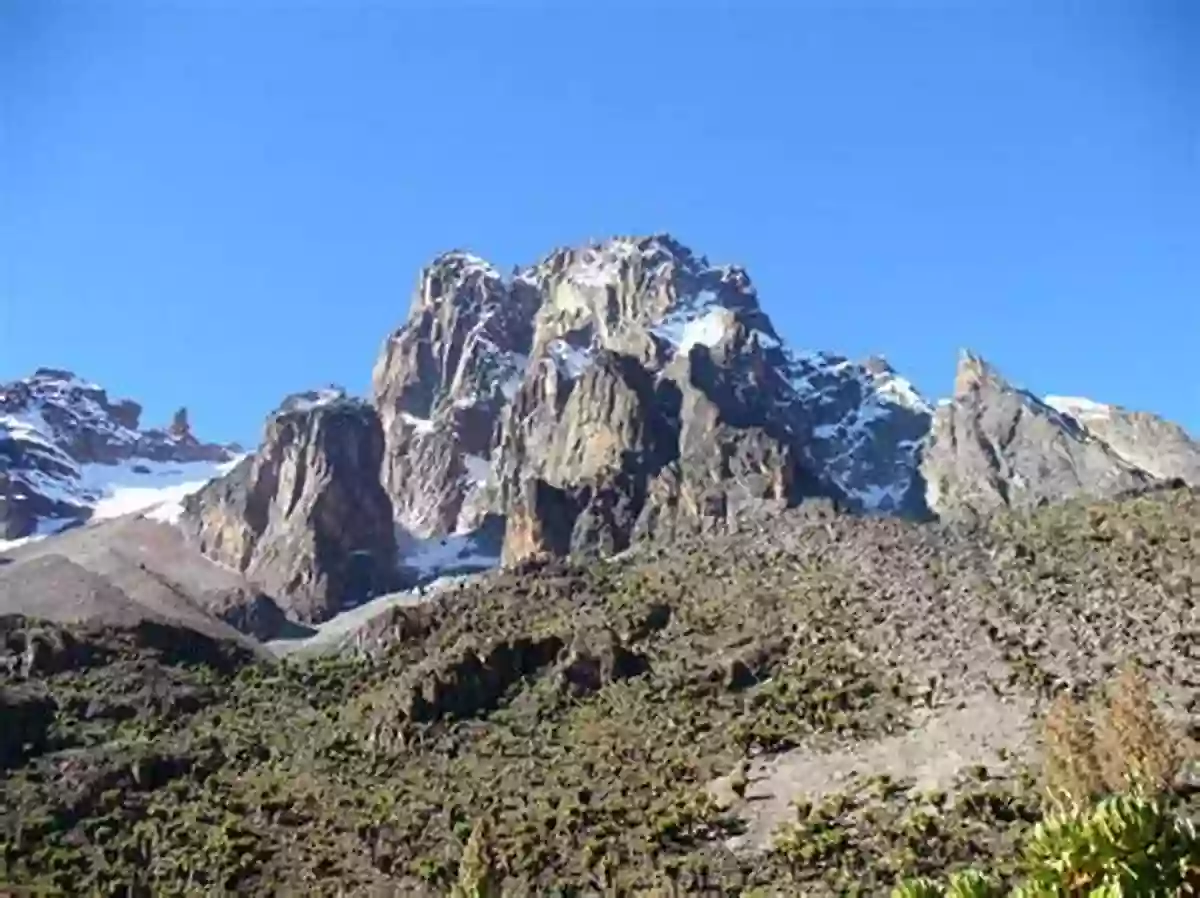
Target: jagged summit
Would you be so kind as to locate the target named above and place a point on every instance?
(975, 373)
(493, 384)
(611, 393)
(995, 445)
(68, 452)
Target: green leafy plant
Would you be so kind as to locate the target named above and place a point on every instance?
(1125, 845)
(964, 884)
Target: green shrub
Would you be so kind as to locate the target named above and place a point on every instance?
(1124, 845)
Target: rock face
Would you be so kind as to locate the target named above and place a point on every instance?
(305, 517)
(623, 390)
(63, 441)
(995, 446)
(440, 385)
(1155, 445)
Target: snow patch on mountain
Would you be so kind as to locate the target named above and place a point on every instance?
(570, 360)
(155, 489)
(855, 409)
(699, 319)
(1078, 407)
(420, 425)
(477, 468)
(439, 556)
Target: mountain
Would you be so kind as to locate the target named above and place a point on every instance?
(618, 393)
(629, 389)
(623, 390)
(69, 453)
(604, 581)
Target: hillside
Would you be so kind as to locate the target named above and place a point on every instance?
(599, 711)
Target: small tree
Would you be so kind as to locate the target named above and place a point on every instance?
(1123, 744)
(1137, 748)
(1071, 771)
(478, 876)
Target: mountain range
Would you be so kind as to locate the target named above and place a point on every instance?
(603, 590)
(613, 394)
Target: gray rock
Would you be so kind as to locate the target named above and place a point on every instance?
(305, 517)
(995, 446)
(1155, 445)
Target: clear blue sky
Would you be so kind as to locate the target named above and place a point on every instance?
(217, 203)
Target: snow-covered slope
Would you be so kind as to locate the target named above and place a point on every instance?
(69, 454)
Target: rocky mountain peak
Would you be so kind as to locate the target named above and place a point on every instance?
(995, 445)
(65, 444)
(492, 387)
(1150, 442)
(440, 384)
(649, 297)
(974, 373)
(305, 517)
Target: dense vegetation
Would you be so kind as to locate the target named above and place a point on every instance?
(608, 727)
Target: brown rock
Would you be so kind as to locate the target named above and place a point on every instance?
(439, 386)
(304, 517)
(180, 427)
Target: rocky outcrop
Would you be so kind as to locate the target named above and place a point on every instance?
(596, 659)
(440, 384)
(305, 517)
(473, 681)
(995, 446)
(623, 390)
(1155, 445)
(62, 439)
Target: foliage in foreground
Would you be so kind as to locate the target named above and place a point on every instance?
(1129, 842)
(1123, 845)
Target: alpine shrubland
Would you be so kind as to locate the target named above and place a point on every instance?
(819, 705)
